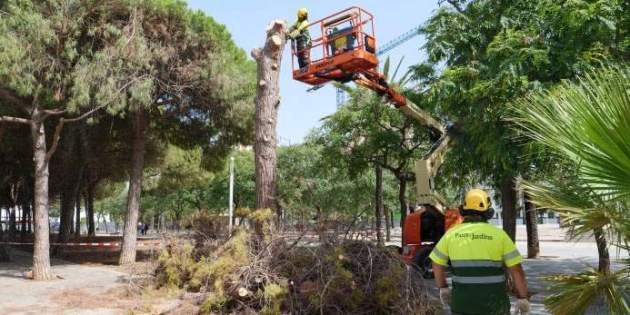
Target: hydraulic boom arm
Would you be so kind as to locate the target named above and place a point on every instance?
(426, 168)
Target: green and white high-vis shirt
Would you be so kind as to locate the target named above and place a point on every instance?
(478, 252)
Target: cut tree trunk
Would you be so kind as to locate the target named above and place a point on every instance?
(508, 205)
(268, 60)
(130, 231)
(531, 224)
(602, 251)
(41, 247)
(378, 204)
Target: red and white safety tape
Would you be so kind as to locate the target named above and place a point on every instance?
(101, 244)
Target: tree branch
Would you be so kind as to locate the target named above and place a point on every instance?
(456, 5)
(8, 119)
(56, 137)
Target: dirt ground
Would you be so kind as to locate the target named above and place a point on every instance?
(87, 288)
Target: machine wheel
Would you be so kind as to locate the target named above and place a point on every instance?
(422, 262)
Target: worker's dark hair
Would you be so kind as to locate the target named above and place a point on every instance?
(476, 216)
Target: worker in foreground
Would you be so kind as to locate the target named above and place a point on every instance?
(478, 252)
(298, 32)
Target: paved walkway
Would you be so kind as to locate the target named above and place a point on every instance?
(560, 258)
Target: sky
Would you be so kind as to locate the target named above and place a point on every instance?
(301, 111)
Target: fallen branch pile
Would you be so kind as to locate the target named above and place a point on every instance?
(251, 274)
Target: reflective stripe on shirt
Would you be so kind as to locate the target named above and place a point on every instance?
(439, 254)
(476, 263)
(479, 280)
(510, 255)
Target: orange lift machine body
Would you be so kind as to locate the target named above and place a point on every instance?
(344, 50)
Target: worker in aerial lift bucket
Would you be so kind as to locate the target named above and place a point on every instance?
(298, 32)
(478, 253)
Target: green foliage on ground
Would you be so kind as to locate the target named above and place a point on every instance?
(249, 274)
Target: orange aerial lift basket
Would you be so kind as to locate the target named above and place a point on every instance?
(343, 45)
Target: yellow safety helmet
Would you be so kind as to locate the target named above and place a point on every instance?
(477, 199)
(302, 14)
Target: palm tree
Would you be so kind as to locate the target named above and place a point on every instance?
(586, 123)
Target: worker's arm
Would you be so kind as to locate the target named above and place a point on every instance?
(513, 260)
(297, 28)
(439, 272)
(520, 282)
(439, 256)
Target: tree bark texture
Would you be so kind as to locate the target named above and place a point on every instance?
(531, 224)
(130, 231)
(378, 203)
(268, 60)
(41, 248)
(402, 198)
(508, 203)
(602, 251)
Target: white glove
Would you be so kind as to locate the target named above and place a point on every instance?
(523, 307)
(445, 296)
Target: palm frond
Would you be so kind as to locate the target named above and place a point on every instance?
(574, 294)
(393, 77)
(589, 123)
(386, 68)
(579, 210)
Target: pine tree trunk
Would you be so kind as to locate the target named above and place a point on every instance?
(268, 59)
(378, 204)
(67, 211)
(531, 224)
(25, 210)
(41, 248)
(89, 207)
(90, 175)
(73, 169)
(30, 218)
(12, 222)
(77, 216)
(130, 231)
(388, 232)
(602, 251)
(391, 218)
(508, 203)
